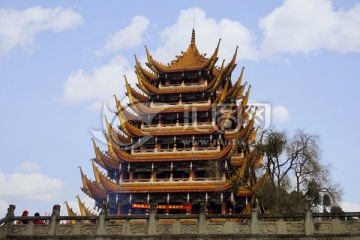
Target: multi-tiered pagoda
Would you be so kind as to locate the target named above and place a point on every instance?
(186, 138)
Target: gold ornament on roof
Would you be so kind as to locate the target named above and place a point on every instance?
(190, 60)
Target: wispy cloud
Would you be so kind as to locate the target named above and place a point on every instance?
(130, 36)
(28, 166)
(177, 36)
(19, 28)
(99, 85)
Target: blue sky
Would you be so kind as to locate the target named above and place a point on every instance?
(60, 62)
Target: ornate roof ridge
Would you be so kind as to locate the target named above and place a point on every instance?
(231, 65)
(234, 90)
(83, 209)
(144, 72)
(70, 211)
(104, 160)
(138, 95)
(190, 60)
(140, 108)
(246, 192)
(122, 110)
(90, 188)
(178, 156)
(165, 187)
(180, 130)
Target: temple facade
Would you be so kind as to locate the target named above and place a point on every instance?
(185, 139)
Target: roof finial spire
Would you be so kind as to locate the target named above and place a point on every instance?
(193, 36)
(193, 31)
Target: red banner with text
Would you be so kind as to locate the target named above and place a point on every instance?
(170, 207)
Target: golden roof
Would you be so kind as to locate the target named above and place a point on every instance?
(245, 100)
(71, 213)
(142, 72)
(83, 209)
(141, 108)
(98, 158)
(122, 110)
(149, 88)
(231, 66)
(173, 129)
(178, 186)
(104, 160)
(93, 190)
(245, 132)
(238, 160)
(253, 135)
(235, 90)
(242, 132)
(116, 136)
(96, 173)
(247, 192)
(191, 60)
(246, 114)
(138, 95)
(186, 155)
(189, 129)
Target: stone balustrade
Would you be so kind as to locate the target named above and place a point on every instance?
(306, 225)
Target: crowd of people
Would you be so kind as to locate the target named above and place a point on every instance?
(26, 221)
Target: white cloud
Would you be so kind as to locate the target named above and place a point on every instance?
(29, 166)
(280, 115)
(130, 36)
(208, 31)
(294, 27)
(350, 207)
(308, 26)
(29, 186)
(3, 208)
(19, 28)
(25, 187)
(100, 85)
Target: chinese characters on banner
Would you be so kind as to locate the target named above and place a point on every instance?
(175, 207)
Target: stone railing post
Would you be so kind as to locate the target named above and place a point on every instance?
(101, 228)
(201, 219)
(9, 215)
(10, 211)
(254, 221)
(309, 223)
(152, 220)
(53, 220)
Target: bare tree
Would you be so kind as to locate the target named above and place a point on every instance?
(295, 159)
